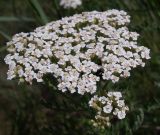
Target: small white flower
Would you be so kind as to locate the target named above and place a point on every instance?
(103, 99)
(121, 114)
(115, 112)
(120, 103)
(117, 95)
(107, 108)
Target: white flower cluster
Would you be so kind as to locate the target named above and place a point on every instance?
(70, 3)
(78, 51)
(108, 106)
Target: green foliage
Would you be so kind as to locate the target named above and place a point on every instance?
(28, 110)
(12, 18)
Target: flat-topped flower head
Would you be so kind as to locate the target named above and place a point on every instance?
(109, 106)
(79, 51)
(70, 3)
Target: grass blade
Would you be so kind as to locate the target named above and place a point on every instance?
(36, 5)
(5, 35)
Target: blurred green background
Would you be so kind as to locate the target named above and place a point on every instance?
(41, 110)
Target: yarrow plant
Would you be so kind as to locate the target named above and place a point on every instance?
(80, 51)
(70, 3)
